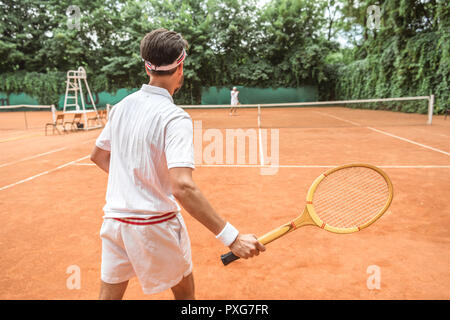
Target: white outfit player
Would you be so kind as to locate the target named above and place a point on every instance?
(234, 100)
(143, 233)
(234, 97)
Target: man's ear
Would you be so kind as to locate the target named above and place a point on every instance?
(180, 68)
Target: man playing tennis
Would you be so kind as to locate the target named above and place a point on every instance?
(147, 149)
(234, 100)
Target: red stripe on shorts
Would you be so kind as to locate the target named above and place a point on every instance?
(148, 221)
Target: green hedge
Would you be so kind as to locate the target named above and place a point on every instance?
(418, 67)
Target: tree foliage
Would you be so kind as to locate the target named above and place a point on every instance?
(285, 43)
(407, 56)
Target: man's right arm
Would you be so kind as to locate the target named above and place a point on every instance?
(101, 158)
(193, 201)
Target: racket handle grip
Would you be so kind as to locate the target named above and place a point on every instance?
(229, 257)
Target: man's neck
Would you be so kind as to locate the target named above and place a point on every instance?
(157, 82)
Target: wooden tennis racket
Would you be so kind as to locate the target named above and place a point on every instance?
(344, 199)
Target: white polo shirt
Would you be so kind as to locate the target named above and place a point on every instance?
(147, 134)
(234, 97)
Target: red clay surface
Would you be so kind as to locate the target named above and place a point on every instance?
(52, 196)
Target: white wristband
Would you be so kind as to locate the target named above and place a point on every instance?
(228, 234)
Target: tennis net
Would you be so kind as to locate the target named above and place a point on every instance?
(25, 117)
(367, 112)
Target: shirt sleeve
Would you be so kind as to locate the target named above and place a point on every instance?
(104, 139)
(179, 147)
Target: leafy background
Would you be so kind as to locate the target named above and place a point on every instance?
(278, 43)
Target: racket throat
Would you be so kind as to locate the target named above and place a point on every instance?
(303, 220)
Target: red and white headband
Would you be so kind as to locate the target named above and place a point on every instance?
(176, 63)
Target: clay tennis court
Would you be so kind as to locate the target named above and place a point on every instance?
(51, 197)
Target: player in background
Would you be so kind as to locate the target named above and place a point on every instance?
(234, 101)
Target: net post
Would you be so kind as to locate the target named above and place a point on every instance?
(430, 108)
(25, 117)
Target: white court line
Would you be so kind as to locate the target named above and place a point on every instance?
(345, 120)
(323, 166)
(410, 141)
(43, 173)
(32, 157)
(387, 133)
(40, 155)
(379, 166)
(298, 166)
(261, 153)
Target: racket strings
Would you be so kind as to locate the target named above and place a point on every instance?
(352, 210)
(343, 217)
(352, 213)
(350, 197)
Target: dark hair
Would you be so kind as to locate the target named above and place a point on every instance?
(161, 47)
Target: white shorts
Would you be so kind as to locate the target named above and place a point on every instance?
(158, 254)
